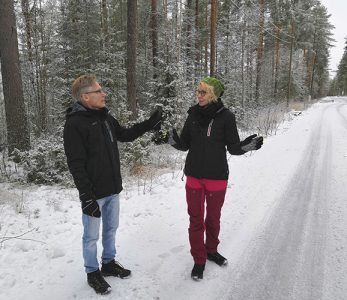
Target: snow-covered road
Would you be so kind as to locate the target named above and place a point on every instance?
(284, 227)
(299, 253)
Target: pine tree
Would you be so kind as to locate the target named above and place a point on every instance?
(213, 37)
(16, 117)
(341, 76)
(131, 56)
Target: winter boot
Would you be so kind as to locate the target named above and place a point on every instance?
(114, 268)
(98, 283)
(198, 272)
(217, 258)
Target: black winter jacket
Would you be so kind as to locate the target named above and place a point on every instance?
(90, 143)
(207, 133)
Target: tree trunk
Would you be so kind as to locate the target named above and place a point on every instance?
(214, 12)
(16, 117)
(104, 23)
(197, 42)
(36, 41)
(41, 59)
(28, 27)
(290, 64)
(260, 48)
(311, 66)
(178, 28)
(29, 43)
(277, 60)
(189, 38)
(206, 41)
(131, 56)
(243, 62)
(312, 75)
(166, 34)
(250, 70)
(154, 36)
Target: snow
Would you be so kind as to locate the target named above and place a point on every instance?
(283, 227)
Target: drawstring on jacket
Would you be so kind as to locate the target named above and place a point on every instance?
(211, 122)
(209, 127)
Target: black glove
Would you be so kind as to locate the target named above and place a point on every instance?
(253, 142)
(89, 205)
(175, 141)
(175, 136)
(155, 119)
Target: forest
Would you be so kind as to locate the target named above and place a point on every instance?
(272, 55)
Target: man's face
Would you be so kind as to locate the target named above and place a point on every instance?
(94, 97)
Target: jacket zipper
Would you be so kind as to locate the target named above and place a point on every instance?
(211, 122)
(109, 131)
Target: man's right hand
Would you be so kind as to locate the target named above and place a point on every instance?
(174, 139)
(155, 119)
(90, 207)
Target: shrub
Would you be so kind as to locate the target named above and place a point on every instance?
(45, 162)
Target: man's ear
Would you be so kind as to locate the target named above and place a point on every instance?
(84, 98)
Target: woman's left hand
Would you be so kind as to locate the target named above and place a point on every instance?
(253, 142)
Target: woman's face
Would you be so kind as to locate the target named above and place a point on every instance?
(203, 95)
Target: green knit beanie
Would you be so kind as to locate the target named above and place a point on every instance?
(218, 86)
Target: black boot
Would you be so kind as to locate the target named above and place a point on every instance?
(198, 272)
(98, 283)
(217, 258)
(114, 268)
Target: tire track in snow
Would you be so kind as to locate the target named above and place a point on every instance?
(342, 115)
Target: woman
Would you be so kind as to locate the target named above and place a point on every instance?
(209, 130)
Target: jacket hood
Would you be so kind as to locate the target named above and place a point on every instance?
(78, 109)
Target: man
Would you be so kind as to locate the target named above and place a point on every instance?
(90, 142)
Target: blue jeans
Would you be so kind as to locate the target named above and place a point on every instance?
(109, 207)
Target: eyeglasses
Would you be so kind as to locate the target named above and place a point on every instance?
(201, 92)
(99, 91)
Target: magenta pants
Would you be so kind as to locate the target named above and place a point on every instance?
(199, 192)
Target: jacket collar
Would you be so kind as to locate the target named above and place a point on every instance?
(79, 109)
